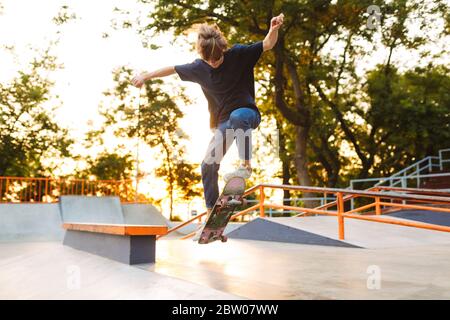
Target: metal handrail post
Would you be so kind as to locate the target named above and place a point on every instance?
(418, 177)
(6, 189)
(262, 214)
(46, 190)
(377, 206)
(352, 201)
(404, 185)
(340, 205)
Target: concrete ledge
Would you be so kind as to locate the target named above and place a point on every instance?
(117, 229)
(131, 244)
(126, 249)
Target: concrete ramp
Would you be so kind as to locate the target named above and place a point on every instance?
(434, 217)
(43, 221)
(273, 230)
(30, 222)
(142, 214)
(323, 230)
(91, 209)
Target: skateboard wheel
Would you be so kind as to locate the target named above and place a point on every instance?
(234, 202)
(223, 238)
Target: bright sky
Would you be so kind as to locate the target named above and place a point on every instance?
(88, 58)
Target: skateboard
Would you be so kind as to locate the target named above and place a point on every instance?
(231, 197)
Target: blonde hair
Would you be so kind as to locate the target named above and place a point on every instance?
(211, 43)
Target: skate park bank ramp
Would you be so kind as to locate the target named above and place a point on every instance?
(91, 210)
(440, 218)
(30, 222)
(108, 210)
(283, 230)
(323, 230)
(141, 213)
(43, 221)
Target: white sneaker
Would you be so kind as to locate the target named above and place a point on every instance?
(242, 172)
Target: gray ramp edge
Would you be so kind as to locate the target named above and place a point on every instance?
(84, 209)
(143, 214)
(264, 230)
(433, 217)
(30, 222)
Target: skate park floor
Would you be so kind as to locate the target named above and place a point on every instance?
(237, 269)
(49, 270)
(275, 270)
(383, 262)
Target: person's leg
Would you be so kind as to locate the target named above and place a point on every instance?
(243, 121)
(220, 143)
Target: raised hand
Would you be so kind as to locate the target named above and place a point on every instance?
(276, 22)
(138, 80)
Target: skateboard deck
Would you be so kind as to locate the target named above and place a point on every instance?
(231, 197)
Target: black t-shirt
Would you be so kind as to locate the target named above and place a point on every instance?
(229, 86)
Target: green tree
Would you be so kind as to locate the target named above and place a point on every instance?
(411, 116)
(320, 97)
(156, 124)
(346, 104)
(28, 134)
(109, 166)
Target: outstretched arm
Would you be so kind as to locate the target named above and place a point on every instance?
(272, 36)
(139, 80)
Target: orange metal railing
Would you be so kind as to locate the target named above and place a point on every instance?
(420, 200)
(382, 188)
(36, 190)
(199, 217)
(401, 198)
(428, 192)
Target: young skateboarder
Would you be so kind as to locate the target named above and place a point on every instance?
(226, 77)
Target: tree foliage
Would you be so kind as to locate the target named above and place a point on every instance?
(28, 133)
(156, 123)
(410, 118)
(109, 166)
(321, 95)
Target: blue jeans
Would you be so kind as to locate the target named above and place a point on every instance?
(239, 126)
